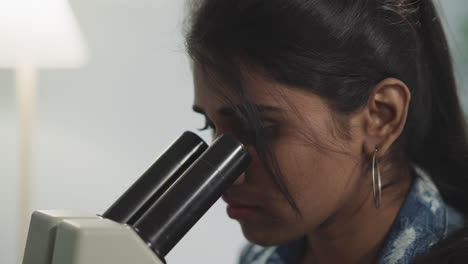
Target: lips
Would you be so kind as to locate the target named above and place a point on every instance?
(238, 209)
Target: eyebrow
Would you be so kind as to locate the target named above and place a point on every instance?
(229, 111)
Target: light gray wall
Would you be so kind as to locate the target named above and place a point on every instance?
(8, 169)
(455, 17)
(98, 128)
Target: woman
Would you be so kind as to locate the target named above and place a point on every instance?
(350, 112)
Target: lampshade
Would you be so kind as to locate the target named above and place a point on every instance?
(40, 33)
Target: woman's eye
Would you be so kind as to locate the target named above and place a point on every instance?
(250, 136)
(208, 125)
(245, 134)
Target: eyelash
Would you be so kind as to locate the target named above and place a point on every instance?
(208, 125)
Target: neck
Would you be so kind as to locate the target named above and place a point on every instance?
(356, 233)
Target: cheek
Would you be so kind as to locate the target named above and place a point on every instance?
(316, 180)
(272, 223)
(319, 184)
(319, 181)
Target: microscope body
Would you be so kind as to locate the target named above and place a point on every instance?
(60, 237)
(151, 217)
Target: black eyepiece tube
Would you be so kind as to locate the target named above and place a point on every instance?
(188, 199)
(157, 179)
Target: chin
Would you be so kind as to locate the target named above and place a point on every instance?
(265, 238)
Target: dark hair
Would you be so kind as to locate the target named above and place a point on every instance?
(339, 50)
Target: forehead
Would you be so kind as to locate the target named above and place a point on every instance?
(211, 94)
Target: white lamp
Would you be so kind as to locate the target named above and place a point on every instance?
(35, 34)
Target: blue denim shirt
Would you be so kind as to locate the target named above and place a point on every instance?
(423, 220)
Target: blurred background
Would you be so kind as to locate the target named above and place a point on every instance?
(98, 127)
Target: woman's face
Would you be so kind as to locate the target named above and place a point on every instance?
(321, 167)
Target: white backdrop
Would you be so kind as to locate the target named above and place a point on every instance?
(99, 128)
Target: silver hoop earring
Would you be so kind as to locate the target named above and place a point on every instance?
(376, 190)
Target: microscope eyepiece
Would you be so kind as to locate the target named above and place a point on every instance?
(188, 199)
(157, 179)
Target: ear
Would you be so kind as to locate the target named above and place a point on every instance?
(385, 115)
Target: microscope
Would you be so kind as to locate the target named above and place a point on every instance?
(151, 217)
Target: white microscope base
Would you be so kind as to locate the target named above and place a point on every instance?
(66, 238)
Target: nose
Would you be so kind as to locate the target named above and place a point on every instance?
(240, 179)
